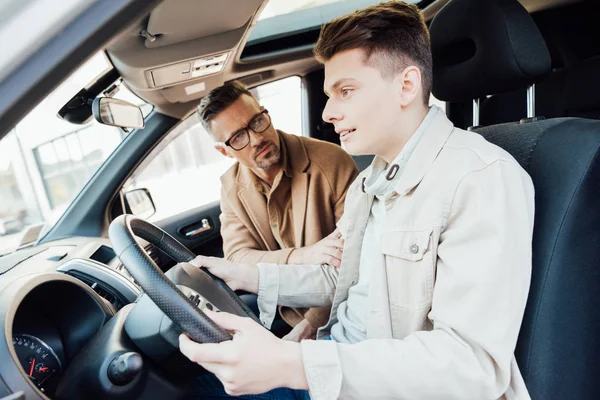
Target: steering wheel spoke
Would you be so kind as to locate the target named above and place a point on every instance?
(183, 309)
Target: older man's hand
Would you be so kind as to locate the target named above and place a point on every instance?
(326, 251)
(303, 330)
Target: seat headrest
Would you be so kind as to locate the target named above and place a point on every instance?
(483, 47)
(582, 88)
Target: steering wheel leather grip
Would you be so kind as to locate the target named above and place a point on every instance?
(156, 285)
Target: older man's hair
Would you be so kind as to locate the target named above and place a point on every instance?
(393, 36)
(219, 99)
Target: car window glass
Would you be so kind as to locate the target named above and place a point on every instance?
(45, 161)
(183, 171)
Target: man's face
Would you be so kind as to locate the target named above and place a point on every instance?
(263, 150)
(363, 106)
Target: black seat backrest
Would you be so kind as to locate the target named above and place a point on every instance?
(559, 342)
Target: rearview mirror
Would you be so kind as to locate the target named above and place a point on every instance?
(116, 112)
(140, 203)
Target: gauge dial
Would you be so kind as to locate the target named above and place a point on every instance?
(38, 361)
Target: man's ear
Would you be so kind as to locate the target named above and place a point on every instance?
(409, 81)
(221, 149)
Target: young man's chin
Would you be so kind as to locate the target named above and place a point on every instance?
(354, 149)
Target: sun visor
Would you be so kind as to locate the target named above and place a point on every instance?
(176, 21)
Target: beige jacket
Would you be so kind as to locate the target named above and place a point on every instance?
(445, 312)
(321, 175)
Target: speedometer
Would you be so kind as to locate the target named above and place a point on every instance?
(39, 362)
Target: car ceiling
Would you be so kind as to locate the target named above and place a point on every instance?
(160, 56)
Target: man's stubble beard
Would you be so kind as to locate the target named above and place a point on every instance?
(271, 161)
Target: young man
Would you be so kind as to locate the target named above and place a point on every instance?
(435, 271)
(282, 198)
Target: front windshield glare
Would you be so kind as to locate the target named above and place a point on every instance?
(45, 161)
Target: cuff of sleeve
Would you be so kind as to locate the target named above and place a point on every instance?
(323, 369)
(268, 292)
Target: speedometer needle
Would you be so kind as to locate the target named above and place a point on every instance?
(32, 365)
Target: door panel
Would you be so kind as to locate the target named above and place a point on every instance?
(206, 242)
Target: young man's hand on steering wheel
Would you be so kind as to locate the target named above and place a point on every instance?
(254, 361)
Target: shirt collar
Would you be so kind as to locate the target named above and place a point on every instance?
(385, 176)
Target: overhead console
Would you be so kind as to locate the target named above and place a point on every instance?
(176, 73)
(183, 48)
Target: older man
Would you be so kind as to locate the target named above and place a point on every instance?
(282, 198)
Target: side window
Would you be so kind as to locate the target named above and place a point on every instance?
(283, 99)
(183, 171)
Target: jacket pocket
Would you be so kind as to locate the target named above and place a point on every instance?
(409, 266)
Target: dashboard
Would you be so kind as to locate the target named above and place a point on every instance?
(39, 361)
(54, 300)
(51, 324)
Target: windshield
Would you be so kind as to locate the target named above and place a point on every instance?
(45, 161)
(281, 17)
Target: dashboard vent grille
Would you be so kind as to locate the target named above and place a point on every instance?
(100, 289)
(153, 253)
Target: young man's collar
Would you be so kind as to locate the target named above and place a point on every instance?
(425, 152)
(384, 176)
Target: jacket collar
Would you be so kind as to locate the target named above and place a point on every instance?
(433, 140)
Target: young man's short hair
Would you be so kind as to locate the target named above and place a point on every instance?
(219, 99)
(392, 34)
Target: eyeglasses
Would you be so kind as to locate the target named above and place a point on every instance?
(240, 139)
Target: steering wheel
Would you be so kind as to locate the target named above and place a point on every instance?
(181, 309)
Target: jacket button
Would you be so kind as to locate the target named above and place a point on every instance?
(414, 248)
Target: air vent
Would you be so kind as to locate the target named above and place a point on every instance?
(153, 254)
(102, 290)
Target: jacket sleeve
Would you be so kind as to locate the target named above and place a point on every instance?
(239, 245)
(479, 297)
(296, 285)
